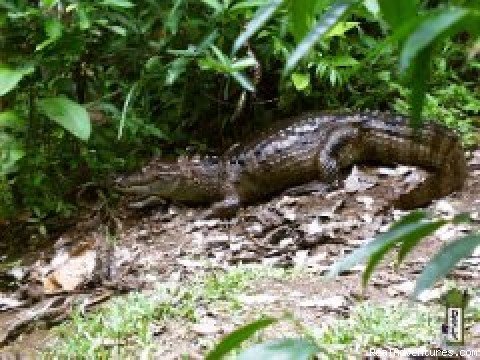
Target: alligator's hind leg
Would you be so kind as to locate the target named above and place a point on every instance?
(337, 153)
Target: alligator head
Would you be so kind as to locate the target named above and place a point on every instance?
(186, 180)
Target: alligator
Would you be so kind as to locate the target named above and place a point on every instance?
(303, 149)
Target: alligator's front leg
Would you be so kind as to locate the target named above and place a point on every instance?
(224, 209)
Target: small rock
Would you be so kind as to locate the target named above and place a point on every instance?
(7, 303)
(206, 326)
(312, 228)
(404, 288)
(191, 263)
(290, 214)
(256, 229)
(197, 224)
(286, 242)
(430, 294)
(475, 330)
(444, 207)
(358, 181)
(300, 258)
(366, 200)
(18, 273)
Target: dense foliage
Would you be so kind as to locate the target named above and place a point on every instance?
(160, 76)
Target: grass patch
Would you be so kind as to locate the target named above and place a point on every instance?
(127, 326)
(398, 325)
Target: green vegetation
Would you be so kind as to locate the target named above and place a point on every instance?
(91, 89)
(395, 325)
(126, 325)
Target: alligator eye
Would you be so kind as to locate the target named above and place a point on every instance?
(241, 162)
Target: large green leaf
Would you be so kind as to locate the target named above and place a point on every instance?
(427, 32)
(420, 74)
(396, 13)
(67, 113)
(10, 119)
(417, 231)
(328, 20)
(302, 16)
(409, 243)
(53, 29)
(260, 17)
(405, 228)
(445, 260)
(284, 349)
(235, 338)
(9, 78)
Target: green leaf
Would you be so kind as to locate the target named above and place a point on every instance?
(119, 30)
(220, 55)
(420, 74)
(410, 242)
(410, 218)
(291, 349)
(118, 3)
(243, 81)
(417, 231)
(9, 78)
(300, 81)
(9, 156)
(248, 4)
(214, 4)
(427, 32)
(396, 13)
(243, 64)
(235, 338)
(396, 234)
(70, 115)
(126, 106)
(340, 28)
(445, 260)
(328, 20)
(259, 18)
(175, 69)
(302, 13)
(10, 119)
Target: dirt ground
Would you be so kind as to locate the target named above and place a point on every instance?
(304, 232)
